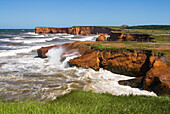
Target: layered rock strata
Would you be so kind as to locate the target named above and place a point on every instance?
(86, 30)
(151, 69)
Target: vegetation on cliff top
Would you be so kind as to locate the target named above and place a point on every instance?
(144, 29)
(88, 102)
(154, 27)
(162, 38)
(123, 46)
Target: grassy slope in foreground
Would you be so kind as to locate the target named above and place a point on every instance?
(87, 102)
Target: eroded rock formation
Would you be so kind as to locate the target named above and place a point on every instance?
(158, 77)
(151, 69)
(86, 30)
(101, 38)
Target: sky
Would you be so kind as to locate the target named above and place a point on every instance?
(29, 14)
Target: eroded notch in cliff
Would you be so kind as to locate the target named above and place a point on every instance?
(147, 64)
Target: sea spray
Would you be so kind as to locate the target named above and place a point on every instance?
(25, 76)
(69, 56)
(54, 56)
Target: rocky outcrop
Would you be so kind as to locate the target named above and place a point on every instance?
(135, 83)
(158, 77)
(80, 46)
(128, 62)
(129, 37)
(86, 30)
(152, 70)
(89, 59)
(43, 50)
(50, 30)
(101, 38)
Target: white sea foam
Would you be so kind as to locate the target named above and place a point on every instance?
(4, 53)
(103, 81)
(26, 76)
(67, 36)
(87, 38)
(17, 38)
(38, 40)
(31, 33)
(15, 52)
(27, 40)
(54, 56)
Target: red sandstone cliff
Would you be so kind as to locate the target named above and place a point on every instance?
(87, 30)
(152, 70)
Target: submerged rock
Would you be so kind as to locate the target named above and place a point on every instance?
(43, 50)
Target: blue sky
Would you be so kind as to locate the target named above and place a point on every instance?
(64, 13)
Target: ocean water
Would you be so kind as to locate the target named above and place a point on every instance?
(24, 76)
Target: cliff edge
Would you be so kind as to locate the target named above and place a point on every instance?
(151, 69)
(85, 30)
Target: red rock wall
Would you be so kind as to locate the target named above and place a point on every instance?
(50, 30)
(75, 30)
(152, 70)
(152, 73)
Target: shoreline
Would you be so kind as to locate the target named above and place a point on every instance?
(141, 64)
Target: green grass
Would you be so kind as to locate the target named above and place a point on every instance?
(86, 102)
(103, 47)
(145, 29)
(130, 32)
(118, 49)
(162, 38)
(154, 27)
(136, 46)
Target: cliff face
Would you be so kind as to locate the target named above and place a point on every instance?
(152, 73)
(129, 37)
(158, 77)
(151, 69)
(75, 30)
(128, 62)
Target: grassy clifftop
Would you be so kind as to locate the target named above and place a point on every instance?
(160, 33)
(154, 47)
(154, 27)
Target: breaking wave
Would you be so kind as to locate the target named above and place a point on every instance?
(25, 76)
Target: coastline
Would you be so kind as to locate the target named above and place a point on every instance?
(150, 68)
